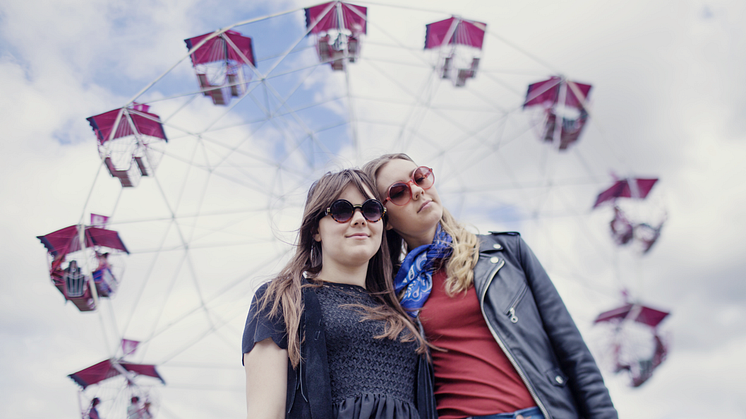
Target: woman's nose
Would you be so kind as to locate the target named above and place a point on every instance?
(416, 190)
(357, 217)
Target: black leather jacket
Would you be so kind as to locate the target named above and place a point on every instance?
(309, 394)
(531, 324)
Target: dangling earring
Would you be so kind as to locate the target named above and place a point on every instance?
(315, 254)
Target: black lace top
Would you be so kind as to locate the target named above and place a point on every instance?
(358, 362)
(370, 378)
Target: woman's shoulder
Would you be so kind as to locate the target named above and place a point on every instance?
(264, 308)
(262, 322)
(259, 293)
(498, 240)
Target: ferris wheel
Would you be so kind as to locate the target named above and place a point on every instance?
(204, 171)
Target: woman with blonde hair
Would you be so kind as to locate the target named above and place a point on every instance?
(327, 337)
(506, 346)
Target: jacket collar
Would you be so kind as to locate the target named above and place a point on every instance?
(490, 260)
(488, 244)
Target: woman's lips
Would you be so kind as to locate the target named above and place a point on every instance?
(424, 205)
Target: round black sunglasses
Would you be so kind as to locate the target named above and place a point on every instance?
(342, 210)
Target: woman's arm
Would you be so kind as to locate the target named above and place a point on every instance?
(266, 380)
(575, 359)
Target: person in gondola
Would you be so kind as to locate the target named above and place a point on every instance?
(56, 271)
(622, 229)
(103, 260)
(145, 412)
(74, 280)
(505, 345)
(327, 338)
(73, 270)
(133, 410)
(92, 411)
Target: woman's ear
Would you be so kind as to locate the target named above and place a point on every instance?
(317, 237)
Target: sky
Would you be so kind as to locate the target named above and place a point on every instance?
(218, 217)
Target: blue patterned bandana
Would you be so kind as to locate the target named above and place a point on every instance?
(416, 272)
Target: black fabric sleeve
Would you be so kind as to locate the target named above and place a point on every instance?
(260, 326)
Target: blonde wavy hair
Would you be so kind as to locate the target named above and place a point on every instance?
(460, 265)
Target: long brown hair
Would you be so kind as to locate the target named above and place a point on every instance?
(285, 295)
(465, 244)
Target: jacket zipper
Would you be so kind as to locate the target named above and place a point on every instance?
(511, 312)
(502, 345)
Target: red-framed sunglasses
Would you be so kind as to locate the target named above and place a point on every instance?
(400, 193)
(343, 210)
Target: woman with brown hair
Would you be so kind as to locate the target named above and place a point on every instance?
(505, 344)
(327, 338)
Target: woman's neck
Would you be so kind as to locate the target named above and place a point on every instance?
(344, 275)
(416, 240)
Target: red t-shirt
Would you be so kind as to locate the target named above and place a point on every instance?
(474, 377)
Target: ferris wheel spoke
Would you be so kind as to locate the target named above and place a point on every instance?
(228, 288)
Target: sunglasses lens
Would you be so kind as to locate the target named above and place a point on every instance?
(423, 177)
(399, 193)
(372, 210)
(341, 210)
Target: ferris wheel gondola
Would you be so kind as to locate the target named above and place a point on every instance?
(117, 384)
(129, 141)
(459, 42)
(87, 254)
(636, 345)
(561, 99)
(337, 28)
(626, 229)
(223, 64)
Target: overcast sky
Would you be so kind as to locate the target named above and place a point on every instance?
(667, 102)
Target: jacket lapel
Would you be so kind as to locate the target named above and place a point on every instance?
(316, 368)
